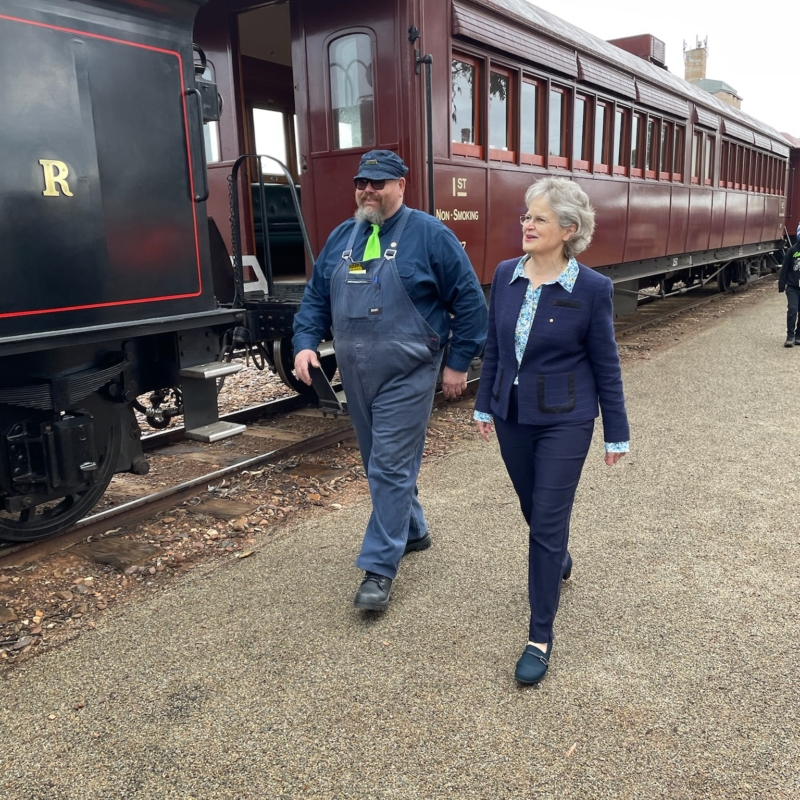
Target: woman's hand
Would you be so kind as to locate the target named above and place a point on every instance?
(612, 458)
(484, 429)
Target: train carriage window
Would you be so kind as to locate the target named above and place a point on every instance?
(665, 161)
(465, 78)
(758, 181)
(678, 160)
(581, 133)
(500, 116)
(352, 91)
(723, 172)
(620, 141)
(742, 171)
(774, 165)
(736, 166)
(602, 116)
(709, 160)
(697, 156)
(530, 136)
(557, 128)
(746, 183)
(751, 172)
(651, 149)
(637, 146)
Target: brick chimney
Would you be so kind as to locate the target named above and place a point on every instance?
(694, 61)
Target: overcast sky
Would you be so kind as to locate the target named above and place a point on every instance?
(754, 47)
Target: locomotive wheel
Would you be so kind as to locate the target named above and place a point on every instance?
(48, 519)
(283, 358)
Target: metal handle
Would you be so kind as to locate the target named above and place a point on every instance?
(200, 198)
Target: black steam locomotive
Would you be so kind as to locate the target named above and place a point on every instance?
(107, 285)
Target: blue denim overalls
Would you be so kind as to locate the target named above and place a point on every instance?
(389, 360)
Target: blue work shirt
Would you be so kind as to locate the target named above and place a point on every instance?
(434, 271)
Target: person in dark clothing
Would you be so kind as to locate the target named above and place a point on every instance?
(551, 366)
(789, 282)
(395, 286)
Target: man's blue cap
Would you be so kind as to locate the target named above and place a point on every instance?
(380, 165)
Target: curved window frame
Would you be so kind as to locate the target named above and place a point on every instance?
(335, 144)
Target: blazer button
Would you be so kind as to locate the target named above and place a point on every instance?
(551, 320)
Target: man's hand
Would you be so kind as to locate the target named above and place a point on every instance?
(612, 458)
(302, 361)
(453, 383)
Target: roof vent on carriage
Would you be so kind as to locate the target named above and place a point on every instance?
(645, 46)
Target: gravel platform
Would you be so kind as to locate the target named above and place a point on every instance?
(674, 673)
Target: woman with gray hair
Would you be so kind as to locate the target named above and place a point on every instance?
(551, 364)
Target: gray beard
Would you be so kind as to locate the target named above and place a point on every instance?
(372, 215)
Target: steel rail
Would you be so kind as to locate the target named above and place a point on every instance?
(144, 507)
(96, 524)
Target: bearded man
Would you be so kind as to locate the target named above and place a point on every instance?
(395, 286)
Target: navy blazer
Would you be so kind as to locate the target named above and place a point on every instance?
(571, 361)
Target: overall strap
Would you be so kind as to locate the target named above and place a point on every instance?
(346, 255)
(392, 252)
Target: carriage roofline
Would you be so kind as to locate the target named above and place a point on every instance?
(541, 21)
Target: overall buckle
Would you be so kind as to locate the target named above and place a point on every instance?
(389, 254)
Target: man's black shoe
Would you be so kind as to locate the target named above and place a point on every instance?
(789, 341)
(374, 592)
(797, 339)
(415, 545)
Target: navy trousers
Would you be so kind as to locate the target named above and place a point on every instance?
(544, 463)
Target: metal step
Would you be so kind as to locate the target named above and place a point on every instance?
(205, 372)
(215, 431)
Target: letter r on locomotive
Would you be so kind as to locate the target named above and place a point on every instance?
(55, 172)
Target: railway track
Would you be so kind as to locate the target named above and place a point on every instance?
(163, 445)
(132, 510)
(239, 458)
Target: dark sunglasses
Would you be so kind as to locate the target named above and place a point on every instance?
(361, 184)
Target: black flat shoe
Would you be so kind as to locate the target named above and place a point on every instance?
(532, 665)
(566, 569)
(415, 545)
(374, 592)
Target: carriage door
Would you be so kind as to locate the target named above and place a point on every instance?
(352, 99)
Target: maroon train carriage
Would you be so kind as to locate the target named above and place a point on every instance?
(116, 268)
(106, 272)
(685, 186)
(792, 219)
